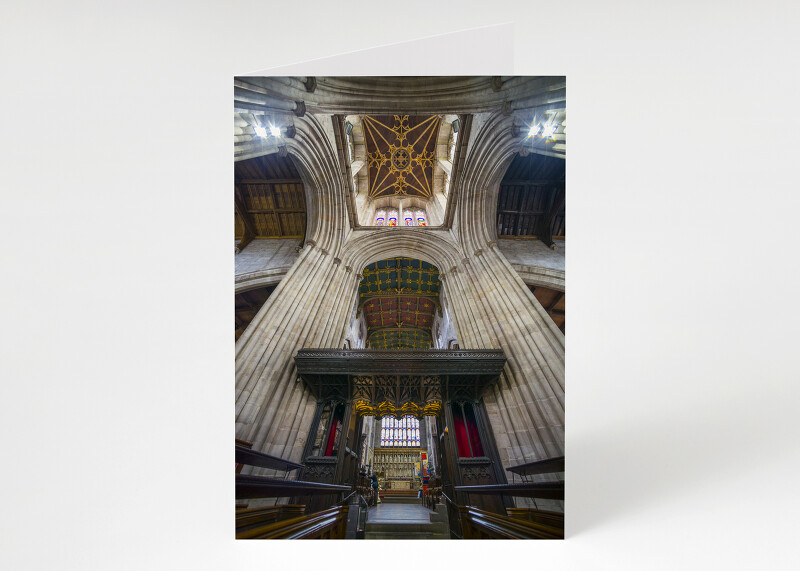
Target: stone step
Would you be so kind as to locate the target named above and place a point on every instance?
(398, 521)
(438, 527)
(401, 500)
(405, 535)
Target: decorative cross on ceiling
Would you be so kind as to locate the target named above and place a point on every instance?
(401, 152)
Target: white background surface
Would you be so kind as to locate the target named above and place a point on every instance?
(117, 349)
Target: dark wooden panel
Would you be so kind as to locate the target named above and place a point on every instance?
(264, 487)
(479, 524)
(253, 458)
(554, 519)
(543, 490)
(362, 361)
(547, 466)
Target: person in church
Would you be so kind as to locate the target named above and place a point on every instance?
(375, 496)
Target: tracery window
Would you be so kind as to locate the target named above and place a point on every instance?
(421, 221)
(393, 218)
(400, 432)
(380, 218)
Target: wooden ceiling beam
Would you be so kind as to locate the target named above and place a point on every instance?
(270, 181)
(544, 230)
(250, 229)
(276, 211)
(528, 182)
(274, 200)
(245, 305)
(523, 212)
(556, 301)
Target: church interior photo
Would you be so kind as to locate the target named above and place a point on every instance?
(400, 307)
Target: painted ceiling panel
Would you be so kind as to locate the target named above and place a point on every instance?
(399, 297)
(401, 153)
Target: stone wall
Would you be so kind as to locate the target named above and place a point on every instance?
(260, 255)
(533, 253)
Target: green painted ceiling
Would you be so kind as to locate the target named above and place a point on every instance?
(399, 297)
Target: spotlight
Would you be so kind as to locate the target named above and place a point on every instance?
(274, 131)
(548, 130)
(261, 131)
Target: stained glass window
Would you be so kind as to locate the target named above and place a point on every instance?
(410, 218)
(400, 432)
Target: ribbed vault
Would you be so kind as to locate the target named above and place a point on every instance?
(401, 152)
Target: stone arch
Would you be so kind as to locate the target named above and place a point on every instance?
(488, 158)
(427, 246)
(317, 162)
(419, 243)
(270, 277)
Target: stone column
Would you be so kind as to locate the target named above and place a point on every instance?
(430, 424)
(309, 308)
(494, 309)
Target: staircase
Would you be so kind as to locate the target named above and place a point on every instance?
(397, 498)
(406, 518)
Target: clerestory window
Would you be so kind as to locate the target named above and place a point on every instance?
(409, 217)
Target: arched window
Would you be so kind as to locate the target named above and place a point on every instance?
(408, 218)
(400, 432)
(393, 218)
(421, 221)
(380, 218)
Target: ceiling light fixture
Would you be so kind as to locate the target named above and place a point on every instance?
(261, 131)
(534, 130)
(274, 131)
(548, 130)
